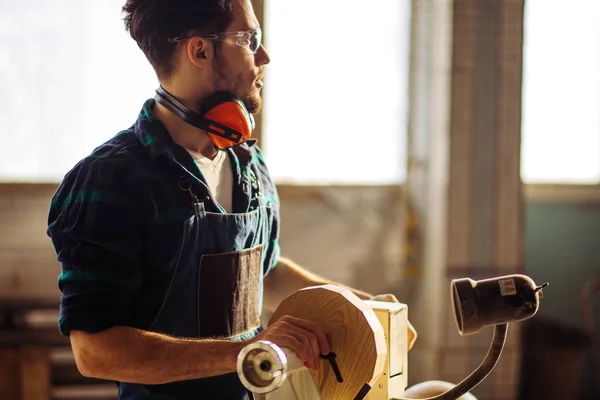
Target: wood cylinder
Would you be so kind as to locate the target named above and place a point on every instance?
(354, 334)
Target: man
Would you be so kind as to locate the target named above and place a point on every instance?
(168, 237)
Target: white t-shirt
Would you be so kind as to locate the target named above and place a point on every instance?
(218, 175)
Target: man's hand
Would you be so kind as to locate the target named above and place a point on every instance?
(305, 338)
(412, 333)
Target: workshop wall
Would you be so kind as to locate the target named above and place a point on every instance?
(351, 235)
(562, 246)
(28, 267)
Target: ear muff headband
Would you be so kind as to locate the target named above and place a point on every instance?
(223, 116)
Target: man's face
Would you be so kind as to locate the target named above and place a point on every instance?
(235, 68)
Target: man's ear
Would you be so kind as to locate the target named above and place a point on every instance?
(198, 51)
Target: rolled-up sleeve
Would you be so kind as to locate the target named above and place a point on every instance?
(95, 226)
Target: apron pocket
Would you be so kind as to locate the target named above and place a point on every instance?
(228, 285)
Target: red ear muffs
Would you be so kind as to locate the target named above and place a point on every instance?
(229, 122)
(222, 115)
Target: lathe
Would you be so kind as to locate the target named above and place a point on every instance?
(368, 340)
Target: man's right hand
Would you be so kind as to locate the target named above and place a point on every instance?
(305, 338)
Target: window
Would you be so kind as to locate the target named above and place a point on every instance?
(561, 92)
(71, 78)
(335, 108)
(336, 89)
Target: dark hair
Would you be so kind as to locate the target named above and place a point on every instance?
(152, 22)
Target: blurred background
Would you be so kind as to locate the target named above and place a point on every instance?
(413, 142)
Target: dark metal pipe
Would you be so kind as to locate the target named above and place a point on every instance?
(484, 369)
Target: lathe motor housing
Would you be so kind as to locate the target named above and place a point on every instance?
(394, 380)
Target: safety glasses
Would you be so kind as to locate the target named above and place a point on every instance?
(250, 40)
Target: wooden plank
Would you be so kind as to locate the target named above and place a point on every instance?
(485, 132)
(510, 204)
(34, 367)
(544, 193)
(50, 337)
(84, 392)
(29, 190)
(461, 135)
(9, 373)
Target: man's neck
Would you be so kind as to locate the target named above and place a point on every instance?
(184, 134)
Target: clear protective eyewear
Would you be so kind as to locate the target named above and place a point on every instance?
(250, 39)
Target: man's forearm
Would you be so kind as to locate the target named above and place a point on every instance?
(288, 277)
(130, 355)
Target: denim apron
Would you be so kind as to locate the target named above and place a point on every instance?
(216, 287)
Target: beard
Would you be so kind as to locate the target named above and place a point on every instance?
(228, 81)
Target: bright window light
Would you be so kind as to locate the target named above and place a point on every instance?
(561, 89)
(335, 107)
(335, 93)
(71, 78)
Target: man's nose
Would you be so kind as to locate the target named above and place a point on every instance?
(262, 57)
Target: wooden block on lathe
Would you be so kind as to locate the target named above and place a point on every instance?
(354, 334)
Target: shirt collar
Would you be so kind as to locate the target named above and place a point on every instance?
(152, 133)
